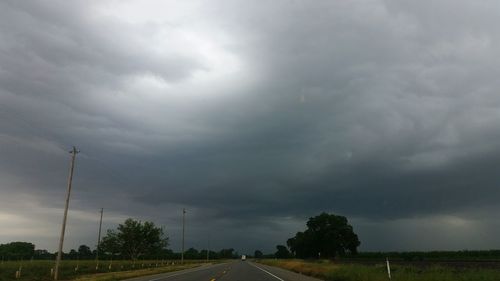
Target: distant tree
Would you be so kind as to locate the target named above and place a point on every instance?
(84, 252)
(202, 254)
(72, 255)
(192, 254)
(327, 235)
(282, 252)
(43, 255)
(226, 253)
(17, 250)
(166, 254)
(134, 239)
(258, 254)
(212, 255)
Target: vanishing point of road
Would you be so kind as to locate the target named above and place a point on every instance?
(231, 271)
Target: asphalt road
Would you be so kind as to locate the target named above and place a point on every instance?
(233, 271)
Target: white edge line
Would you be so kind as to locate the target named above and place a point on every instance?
(267, 272)
(181, 273)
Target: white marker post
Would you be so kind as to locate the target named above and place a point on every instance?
(388, 268)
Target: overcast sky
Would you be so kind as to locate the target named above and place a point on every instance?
(254, 116)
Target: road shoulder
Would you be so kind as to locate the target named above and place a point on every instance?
(174, 273)
(284, 274)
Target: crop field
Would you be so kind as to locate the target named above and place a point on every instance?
(39, 270)
(333, 271)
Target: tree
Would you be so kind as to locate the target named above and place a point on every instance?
(282, 252)
(226, 253)
(258, 254)
(212, 255)
(327, 235)
(72, 255)
(84, 252)
(43, 255)
(191, 254)
(110, 244)
(134, 239)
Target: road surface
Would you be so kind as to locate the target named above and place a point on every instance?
(232, 271)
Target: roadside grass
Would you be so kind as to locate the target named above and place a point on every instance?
(39, 270)
(331, 271)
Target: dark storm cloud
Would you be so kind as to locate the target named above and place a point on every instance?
(254, 117)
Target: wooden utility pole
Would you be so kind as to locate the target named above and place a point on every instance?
(208, 248)
(388, 268)
(98, 242)
(183, 231)
(73, 152)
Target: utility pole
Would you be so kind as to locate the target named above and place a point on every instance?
(208, 248)
(73, 152)
(183, 231)
(98, 242)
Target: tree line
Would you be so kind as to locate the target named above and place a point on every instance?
(325, 236)
(26, 250)
(132, 239)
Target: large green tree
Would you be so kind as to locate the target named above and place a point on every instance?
(327, 235)
(134, 239)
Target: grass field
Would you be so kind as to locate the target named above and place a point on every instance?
(86, 269)
(331, 271)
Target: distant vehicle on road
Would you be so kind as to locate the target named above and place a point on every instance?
(243, 257)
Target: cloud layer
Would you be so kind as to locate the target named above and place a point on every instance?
(253, 117)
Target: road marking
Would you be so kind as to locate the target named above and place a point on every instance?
(266, 271)
(182, 273)
(213, 279)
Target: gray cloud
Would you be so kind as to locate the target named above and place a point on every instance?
(254, 117)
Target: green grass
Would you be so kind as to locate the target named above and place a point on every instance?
(353, 272)
(71, 269)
